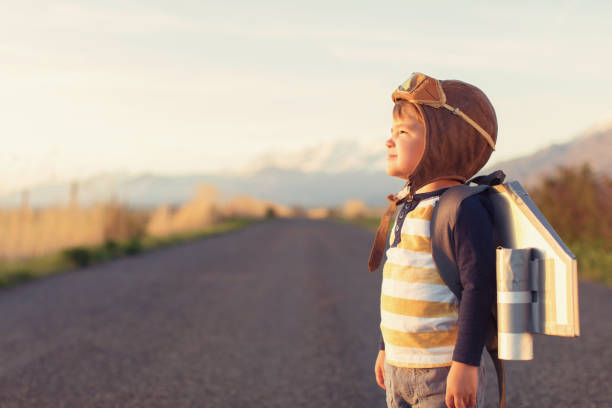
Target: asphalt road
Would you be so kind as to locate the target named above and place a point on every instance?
(280, 314)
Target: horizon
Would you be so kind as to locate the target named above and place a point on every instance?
(253, 166)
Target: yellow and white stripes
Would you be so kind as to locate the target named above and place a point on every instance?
(418, 311)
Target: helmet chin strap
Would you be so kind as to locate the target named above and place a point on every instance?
(406, 193)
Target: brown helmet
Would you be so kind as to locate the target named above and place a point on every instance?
(454, 149)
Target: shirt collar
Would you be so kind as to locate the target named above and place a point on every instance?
(422, 196)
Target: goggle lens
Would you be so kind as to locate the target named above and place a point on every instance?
(412, 83)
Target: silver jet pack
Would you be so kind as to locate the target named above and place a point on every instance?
(537, 283)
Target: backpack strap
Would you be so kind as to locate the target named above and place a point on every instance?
(443, 222)
(501, 378)
(442, 225)
(442, 249)
(493, 179)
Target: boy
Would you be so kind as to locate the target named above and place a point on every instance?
(443, 133)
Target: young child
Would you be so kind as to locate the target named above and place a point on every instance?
(431, 349)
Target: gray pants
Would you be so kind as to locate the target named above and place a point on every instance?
(423, 387)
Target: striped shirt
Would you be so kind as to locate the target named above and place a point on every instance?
(475, 254)
(419, 313)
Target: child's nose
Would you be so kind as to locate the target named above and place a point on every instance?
(389, 143)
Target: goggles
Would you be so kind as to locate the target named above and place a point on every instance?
(425, 90)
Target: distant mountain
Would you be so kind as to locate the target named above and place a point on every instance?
(289, 187)
(352, 169)
(594, 147)
(332, 157)
(318, 176)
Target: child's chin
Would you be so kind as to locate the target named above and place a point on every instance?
(395, 173)
(392, 171)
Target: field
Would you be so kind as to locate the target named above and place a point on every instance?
(17, 271)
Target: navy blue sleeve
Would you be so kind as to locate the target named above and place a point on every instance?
(475, 254)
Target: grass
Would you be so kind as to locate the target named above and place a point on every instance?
(15, 272)
(370, 223)
(594, 259)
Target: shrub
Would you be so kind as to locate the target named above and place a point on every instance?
(79, 256)
(270, 213)
(22, 275)
(578, 204)
(133, 246)
(111, 247)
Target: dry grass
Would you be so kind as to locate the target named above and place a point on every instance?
(30, 233)
(16, 271)
(196, 214)
(27, 233)
(40, 242)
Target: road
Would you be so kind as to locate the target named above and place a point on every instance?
(280, 314)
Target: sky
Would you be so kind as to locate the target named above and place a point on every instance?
(194, 86)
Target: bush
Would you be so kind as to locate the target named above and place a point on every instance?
(594, 261)
(578, 204)
(133, 246)
(79, 256)
(270, 213)
(111, 247)
(22, 275)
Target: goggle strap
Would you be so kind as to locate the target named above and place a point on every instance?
(458, 112)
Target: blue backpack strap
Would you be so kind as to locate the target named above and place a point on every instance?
(443, 222)
(441, 230)
(493, 179)
(443, 252)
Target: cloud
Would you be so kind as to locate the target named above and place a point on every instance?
(77, 17)
(517, 56)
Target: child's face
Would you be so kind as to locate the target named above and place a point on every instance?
(406, 145)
